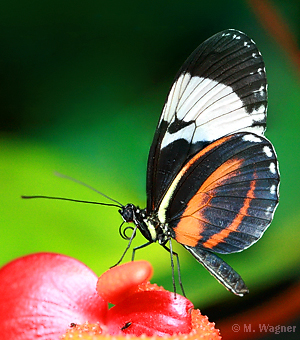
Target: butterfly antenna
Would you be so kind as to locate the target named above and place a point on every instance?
(118, 204)
(72, 200)
(88, 186)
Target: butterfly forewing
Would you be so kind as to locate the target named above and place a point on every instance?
(220, 90)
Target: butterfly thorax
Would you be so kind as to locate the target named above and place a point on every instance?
(148, 225)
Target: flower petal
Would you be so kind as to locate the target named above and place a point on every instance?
(41, 294)
(150, 313)
(118, 282)
(201, 329)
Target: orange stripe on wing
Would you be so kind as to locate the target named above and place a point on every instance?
(191, 225)
(168, 195)
(221, 174)
(200, 154)
(219, 237)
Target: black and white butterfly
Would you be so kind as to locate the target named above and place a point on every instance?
(212, 176)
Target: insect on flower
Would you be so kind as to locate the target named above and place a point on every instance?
(212, 176)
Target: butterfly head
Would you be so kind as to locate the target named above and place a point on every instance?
(131, 213)
(128, 212)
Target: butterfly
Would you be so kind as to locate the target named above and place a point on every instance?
(212, 176)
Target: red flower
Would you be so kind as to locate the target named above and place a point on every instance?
(44, 296)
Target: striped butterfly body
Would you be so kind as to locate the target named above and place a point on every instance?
(212, 176)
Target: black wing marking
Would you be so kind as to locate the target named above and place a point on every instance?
(224, 198)
(221, 89)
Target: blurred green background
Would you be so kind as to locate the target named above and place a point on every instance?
(82, 87)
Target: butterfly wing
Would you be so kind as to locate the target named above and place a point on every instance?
(223, 200)
(212, 177)
(220, 90)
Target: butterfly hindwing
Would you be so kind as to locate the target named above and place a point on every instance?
(224, 198)
(221, 89)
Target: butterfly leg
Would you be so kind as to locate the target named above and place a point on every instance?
(170, 250)
(139, 247)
